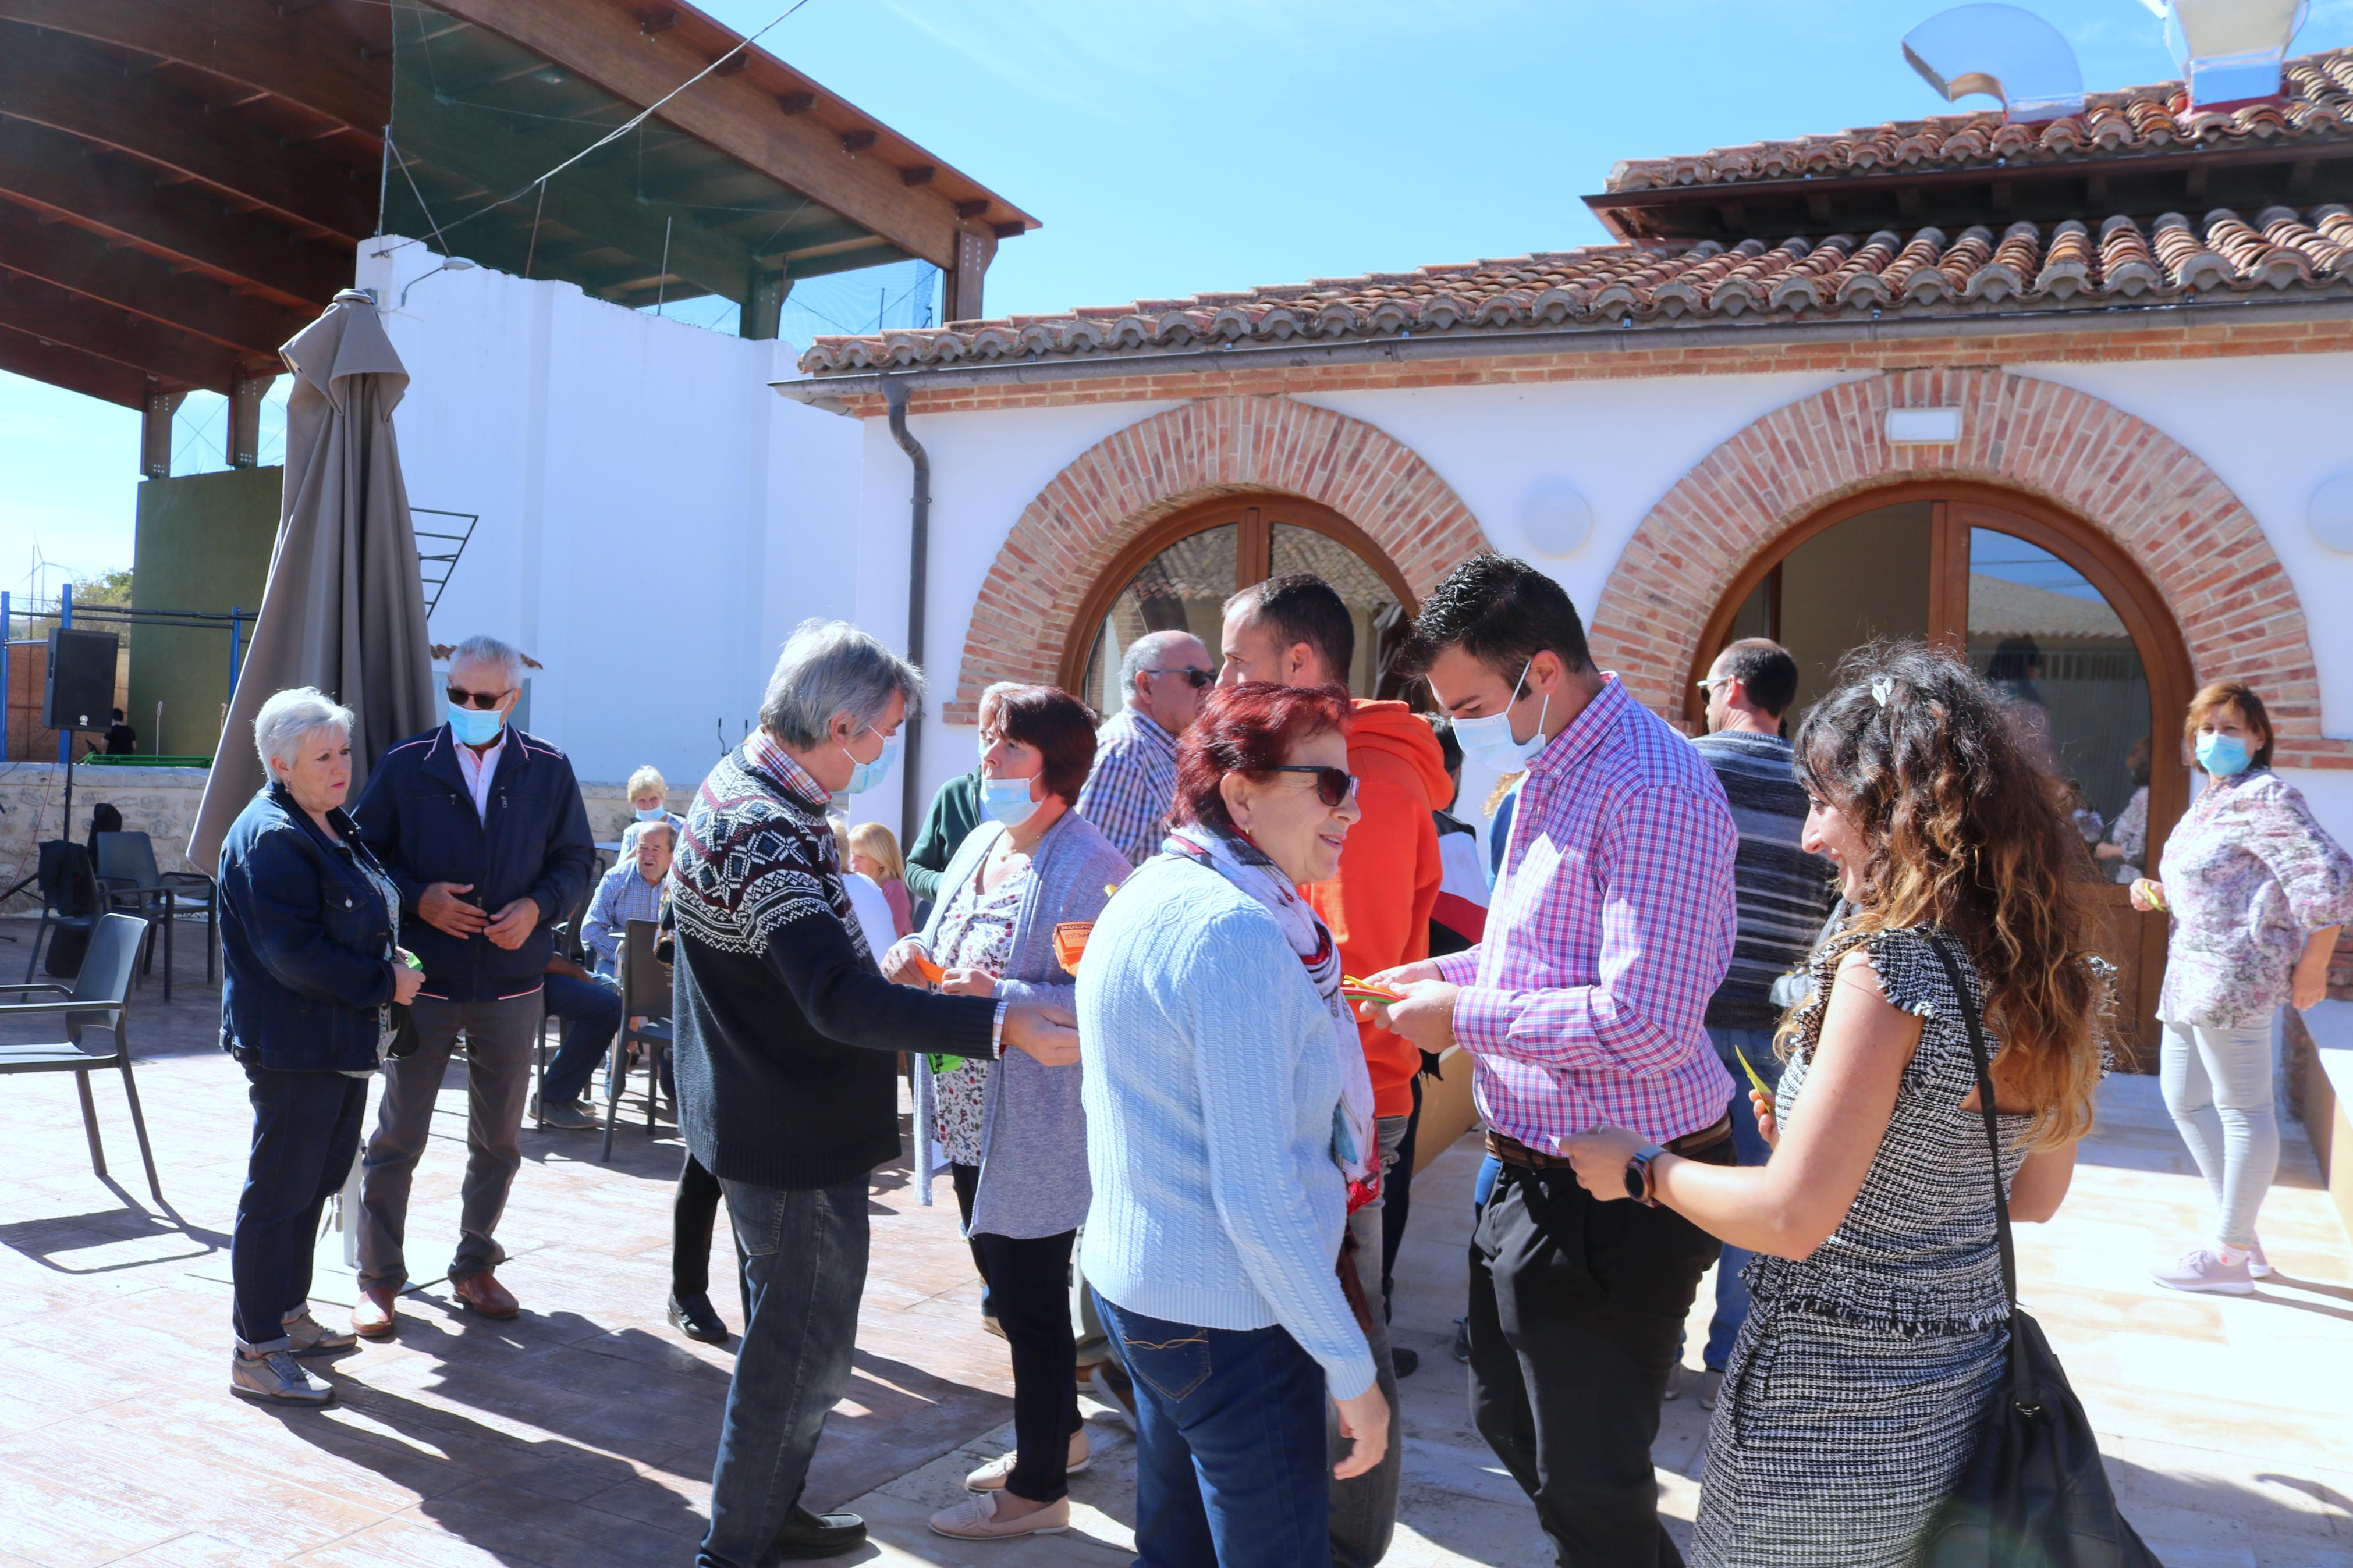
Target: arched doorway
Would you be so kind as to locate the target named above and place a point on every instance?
(1178, 574)
(2042, 602)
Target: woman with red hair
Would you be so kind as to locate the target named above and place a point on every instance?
(1229, 1124)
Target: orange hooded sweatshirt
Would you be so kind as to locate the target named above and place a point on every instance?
(1378, 907)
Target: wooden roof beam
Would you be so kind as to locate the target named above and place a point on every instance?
(58, 365)
(306, 57)
(68, 85)
(48, 168)
(43, 310)
(131, 279)
(600, 40)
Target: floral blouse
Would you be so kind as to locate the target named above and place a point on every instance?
(2249, 876)
(976, 933)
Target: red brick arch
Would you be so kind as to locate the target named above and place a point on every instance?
(2231, 600)
(1223, 445)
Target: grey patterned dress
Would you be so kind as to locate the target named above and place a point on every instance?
(1858, 1386)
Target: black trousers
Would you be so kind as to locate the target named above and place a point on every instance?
(1029, 1284)
(1577, 1316)
(1397, 1205)
(694, 1214)
(306, 1128)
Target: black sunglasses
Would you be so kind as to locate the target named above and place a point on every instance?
(460, 698)
(1332, 784)
(1197, 680)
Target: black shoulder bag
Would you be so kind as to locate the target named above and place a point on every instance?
(2036, 1493)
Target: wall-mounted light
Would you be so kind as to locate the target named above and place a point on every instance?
(2229, 50)
(1555, 518)
(449, 264)
(2012, 54)
(2331, 514)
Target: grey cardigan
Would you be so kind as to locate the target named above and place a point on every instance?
(1033, 1131)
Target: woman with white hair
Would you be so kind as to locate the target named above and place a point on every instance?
(310, 959)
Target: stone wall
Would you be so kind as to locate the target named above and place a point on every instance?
(161, 803)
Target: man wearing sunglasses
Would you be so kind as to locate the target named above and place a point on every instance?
(483, 829)
(1128, 796)
(1296, 630)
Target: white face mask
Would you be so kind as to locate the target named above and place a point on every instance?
(1489, 739)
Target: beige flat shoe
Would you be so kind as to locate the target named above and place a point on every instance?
(991, 1477)
(975, 1518)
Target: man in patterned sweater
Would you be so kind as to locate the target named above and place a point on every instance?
(786, 1032)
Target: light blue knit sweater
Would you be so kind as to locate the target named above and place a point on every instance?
(1212, 1071)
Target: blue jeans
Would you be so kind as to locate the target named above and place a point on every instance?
(306, 1128)
(1230, 1459)
(805, 1270)
(591, 1011)
(1749, 1148)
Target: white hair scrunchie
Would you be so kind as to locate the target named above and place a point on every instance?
(1883, 687)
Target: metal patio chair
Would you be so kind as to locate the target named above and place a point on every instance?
(128, 861)
(645, 993)
(97, 999)
(71, 900)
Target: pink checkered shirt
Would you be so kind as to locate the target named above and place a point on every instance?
(1611, 927)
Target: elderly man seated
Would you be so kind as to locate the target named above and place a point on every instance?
(590, 1003)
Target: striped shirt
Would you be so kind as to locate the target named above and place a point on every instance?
(1610, 928)
(1133, 783)
(1783, 892)
(623, 895)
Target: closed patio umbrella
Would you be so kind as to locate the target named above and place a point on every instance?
(343, 609)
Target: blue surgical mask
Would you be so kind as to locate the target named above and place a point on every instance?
(1489, 739)
(652, 813)
(864, 777)
(473, 726)
(1007, 801)
(2222, 755)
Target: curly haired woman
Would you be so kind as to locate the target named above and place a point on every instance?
(1858, 1386)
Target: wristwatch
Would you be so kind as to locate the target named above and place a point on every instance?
(1638, 1175)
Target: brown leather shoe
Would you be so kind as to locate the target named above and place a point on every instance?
(372, 1318)
(483, 1294)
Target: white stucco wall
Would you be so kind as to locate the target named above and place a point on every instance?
(654, 519)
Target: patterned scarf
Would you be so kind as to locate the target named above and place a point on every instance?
(1354, 1146)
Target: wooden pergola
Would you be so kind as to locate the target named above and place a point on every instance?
(184, 183)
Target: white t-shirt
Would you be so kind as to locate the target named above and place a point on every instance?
(873, 912)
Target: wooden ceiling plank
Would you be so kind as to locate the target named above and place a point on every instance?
(147, 346)
(600, 41)
(62, 82)
(305, 57)
(76, 260)
(58, 365)
(48, 168)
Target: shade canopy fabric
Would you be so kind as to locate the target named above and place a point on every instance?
(345, 609)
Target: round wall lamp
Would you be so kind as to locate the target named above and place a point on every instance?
(1555, 517)
(2332, 513)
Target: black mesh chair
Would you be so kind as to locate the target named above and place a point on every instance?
(95, 1000)
(71, 902)
(127, 861)
(645, 993)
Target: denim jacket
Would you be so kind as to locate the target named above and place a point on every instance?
(305, 941)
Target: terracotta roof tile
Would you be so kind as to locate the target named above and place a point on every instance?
(2316, 104)
(1926, 272)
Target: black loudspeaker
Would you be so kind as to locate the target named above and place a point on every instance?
(80, 692)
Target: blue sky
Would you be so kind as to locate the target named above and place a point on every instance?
(1172, 146)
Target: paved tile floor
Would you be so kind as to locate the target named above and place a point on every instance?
(582, 1433)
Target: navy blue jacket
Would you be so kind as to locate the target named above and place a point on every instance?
(417, 816)
(306, 942)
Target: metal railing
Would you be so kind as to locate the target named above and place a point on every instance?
(63, 612)
(434, 565)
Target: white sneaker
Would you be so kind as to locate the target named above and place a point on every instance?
(976, 1519)
(990, 1477)
(2258, 1265)
(1711, 1388)
(2203, 1269)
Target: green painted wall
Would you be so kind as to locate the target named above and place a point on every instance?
(203, 543)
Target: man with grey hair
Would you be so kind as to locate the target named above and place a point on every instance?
(1128, 795)
(483, 829)
(786, 1036)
